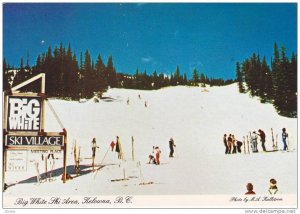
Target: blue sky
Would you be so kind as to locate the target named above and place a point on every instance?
(209, 37)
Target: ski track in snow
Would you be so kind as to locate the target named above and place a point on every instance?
(197, 122)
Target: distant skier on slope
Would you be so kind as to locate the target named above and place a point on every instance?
(262, 136)
(284, 137)
(152, 159)
(254, 142)
(233, 144)
(157, 155)
(112, 145)
(171, 145)
(229, 143)
(119, 148)
(225, 143)
(239, 145)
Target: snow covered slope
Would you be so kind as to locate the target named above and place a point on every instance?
(197, 121)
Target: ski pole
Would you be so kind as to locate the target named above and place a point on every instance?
(102, 161)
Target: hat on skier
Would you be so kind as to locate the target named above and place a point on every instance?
(273, 181)
(283, 129)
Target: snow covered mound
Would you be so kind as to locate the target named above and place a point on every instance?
(195, 118)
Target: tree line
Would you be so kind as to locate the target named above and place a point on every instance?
(276, 84)
(68, 75)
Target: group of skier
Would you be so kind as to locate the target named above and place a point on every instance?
(156, 151)
(154, 158)
(233, 146)
(128, 101)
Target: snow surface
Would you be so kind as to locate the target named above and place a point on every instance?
(197, 121)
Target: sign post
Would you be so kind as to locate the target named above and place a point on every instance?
(23, 124)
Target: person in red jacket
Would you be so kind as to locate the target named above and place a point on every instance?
(157, 155)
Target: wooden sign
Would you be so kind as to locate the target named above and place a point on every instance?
(28, 141)
(24, 113)
(16, 161)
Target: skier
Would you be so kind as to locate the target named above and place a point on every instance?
(225, 143)
(262, 139)
(151, 159)
(112, 145)
(171, 145)
(157, 155)
(239, 145)
(233, 144)
(284, 137)
(273, 187)
(254, 141)
(229, 143)
(146, 104)
(94, 146)
(250, 189)
(128, 101)
(119, 148)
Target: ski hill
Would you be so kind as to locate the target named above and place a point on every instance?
(196, 118)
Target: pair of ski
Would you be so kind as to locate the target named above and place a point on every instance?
(39, 177)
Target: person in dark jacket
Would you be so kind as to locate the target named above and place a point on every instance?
(262, 135)
(119, 148)
(238, 146)
(225, 143)
(229, 144)
(250, 189)
(284, 137)
(171, 145)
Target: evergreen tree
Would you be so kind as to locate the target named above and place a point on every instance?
(177, 80)
(6, 76)
(195, 77)
(100, 73)
(20, 75)
(239, 77)
(292, 86)
(111, 73)
(202, 80)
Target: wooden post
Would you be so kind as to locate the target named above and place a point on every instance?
(132, 147)
(3, 141)
(46, 166)
(65, 157)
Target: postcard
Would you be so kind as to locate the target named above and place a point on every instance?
(150, 105)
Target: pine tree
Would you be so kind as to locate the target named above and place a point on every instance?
(111, 73)
(100, 74)
(202, 80)
(6, 76)
(20, 75)
(239, 77)
(292, 86)
(195, 77)
(265, 82)
(177, 76)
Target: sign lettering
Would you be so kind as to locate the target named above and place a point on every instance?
(24, 113)
(35, 141)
